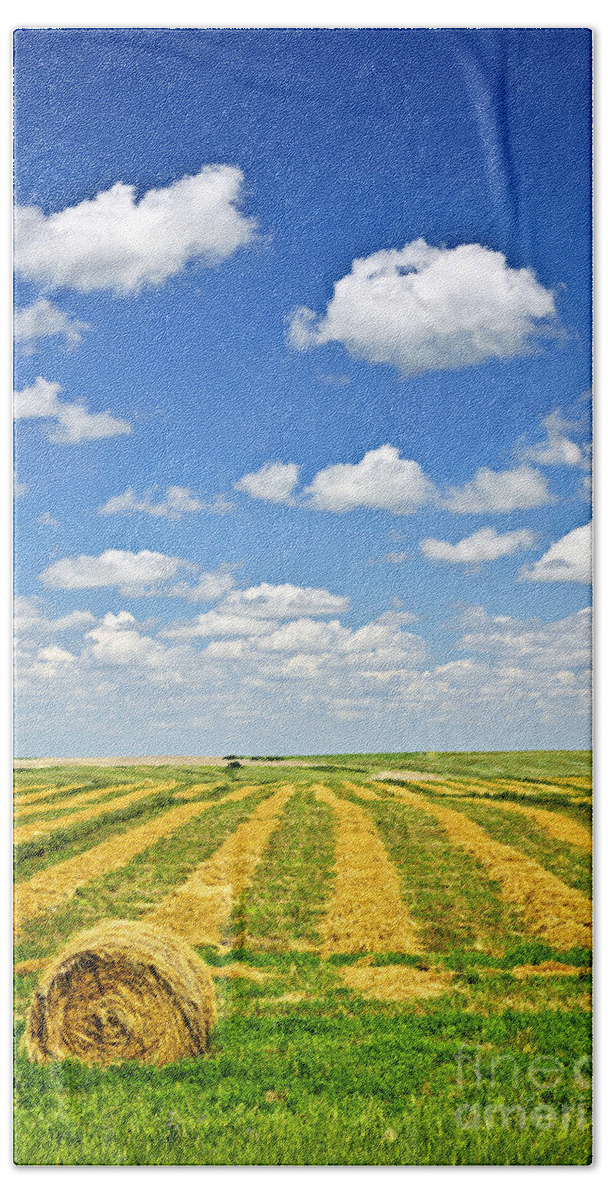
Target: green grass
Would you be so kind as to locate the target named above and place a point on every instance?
(301, 1070)
(523, 764)
(340, 1082)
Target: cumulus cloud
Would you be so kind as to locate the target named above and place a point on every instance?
(209, 586)
(425, 308)
(283, 600)
(533, 644)
(557, 449)
(485, 545)
(120, 243)
(566, 561)
(41, 320)
(73, 422)
(216, 624)
(286, 680)
(382, 480)
(116, 640)
(134, 574)
(176, 502)
(29, 619)
(275, 482)
(499, 491)
(50, 661)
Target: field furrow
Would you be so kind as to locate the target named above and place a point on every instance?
(200, 909)
(558, 826)
(78, 800)
(198, 789)
(282, 908)
(42, 794)
(31, 832)
(47, 889)
(455, 904)
(558, 914)
(366, 912)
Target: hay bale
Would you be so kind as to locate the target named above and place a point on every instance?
(118, 992)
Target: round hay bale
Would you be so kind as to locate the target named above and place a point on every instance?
(119, 992)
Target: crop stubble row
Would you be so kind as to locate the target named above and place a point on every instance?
(50, 887)
(559, 915)
(28, 833)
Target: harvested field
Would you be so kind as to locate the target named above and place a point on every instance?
(410, 776)
(41, 794)
(558, 826)
(579, 781)
(498, 786)
(200, 909)
(547, 969)
(359, 940)
(78, 800)
(366, 912)
(396, 983)
(197, 790)
(27, 832)
(556, 913)
(49, 888)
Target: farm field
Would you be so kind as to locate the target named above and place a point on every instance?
(400, 946)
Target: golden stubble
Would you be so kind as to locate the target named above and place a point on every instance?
(558, 914)
(78, 800)
(49, 888)
(365, 912)
(200, 908)
(30, 832)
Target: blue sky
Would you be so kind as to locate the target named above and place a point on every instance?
(321, 149)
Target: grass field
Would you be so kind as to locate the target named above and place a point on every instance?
(402, 968)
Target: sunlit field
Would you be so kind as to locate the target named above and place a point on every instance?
(400, 946)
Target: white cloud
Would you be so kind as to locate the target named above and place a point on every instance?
(116, 640)
(210, 586)
(50, 660)
(274, 482)
(55, 654)
(176, 502)
(28, 618)
(566, 561)
(304, 636)
(283, 682)
(46, 518)
(485, 545)
(424, 308)
(41, 320)
(530, 645)
(283, 600)
(557, 449)
(133, 574)
(499, 491)
(216, 624)
(74, 422)
(394, 557)
(119, 243)
(382, 480)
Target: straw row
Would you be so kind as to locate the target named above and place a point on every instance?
(559, 915)
(49, 888)
(366, 912)
(28, 833)
(200, 909)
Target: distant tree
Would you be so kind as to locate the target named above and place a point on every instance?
(233, 765)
